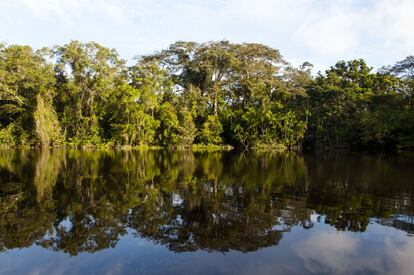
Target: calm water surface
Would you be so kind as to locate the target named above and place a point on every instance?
(156, 212)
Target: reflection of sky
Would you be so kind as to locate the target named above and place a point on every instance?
(379, 250)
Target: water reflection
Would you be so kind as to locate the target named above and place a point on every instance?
(84, 201)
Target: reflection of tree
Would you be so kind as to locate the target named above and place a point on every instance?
(83, 201)
(204, 223)
(46, 172)
(402, 222)
(22, 219)
(227, 203)
(350, 190)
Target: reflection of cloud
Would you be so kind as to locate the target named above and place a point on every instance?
(342, 253)
(115, 269)
(401, 256)
(327, 252)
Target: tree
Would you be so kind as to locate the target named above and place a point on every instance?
(242, 94)
(186, 130)
(87, 74)
(405, 70)
(347, 101)
(405, 124)
(211, 131)
(26, 97)
(167, 133)
(219, 82)
(130, 123)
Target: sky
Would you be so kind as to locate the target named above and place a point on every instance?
(321, 32)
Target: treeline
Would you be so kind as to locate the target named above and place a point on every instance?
(215, 93)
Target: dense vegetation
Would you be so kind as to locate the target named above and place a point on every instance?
(245, 95)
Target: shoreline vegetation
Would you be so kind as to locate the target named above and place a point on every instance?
(211, 96)
(193, 147)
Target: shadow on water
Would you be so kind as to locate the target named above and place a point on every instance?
(84, 201)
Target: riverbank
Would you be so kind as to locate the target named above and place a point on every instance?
(194, 147)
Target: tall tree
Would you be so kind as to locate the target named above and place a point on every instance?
(26, 97)
(87, 74)
(345, 101)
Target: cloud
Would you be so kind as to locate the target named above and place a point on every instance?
(319, 31)
(329, 35)
(64, 11)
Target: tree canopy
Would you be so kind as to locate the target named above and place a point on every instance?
(245, 95)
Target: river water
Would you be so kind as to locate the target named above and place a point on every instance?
(159, 212)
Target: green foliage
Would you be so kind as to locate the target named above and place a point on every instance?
(168, 132)
(186, 130)
(353, 107)
(245, 95)
(130, 124)
(404, 130)
(26, 92)
(7, 138)
(87, 74)
(211, 131)
(239, 89)
(48, 129)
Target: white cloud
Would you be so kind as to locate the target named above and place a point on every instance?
(319, 31)
(331, 35)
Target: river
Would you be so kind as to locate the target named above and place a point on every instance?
(160, 212)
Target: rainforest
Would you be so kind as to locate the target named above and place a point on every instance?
(195, 95)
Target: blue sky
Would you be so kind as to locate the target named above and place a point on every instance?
(319, 31)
